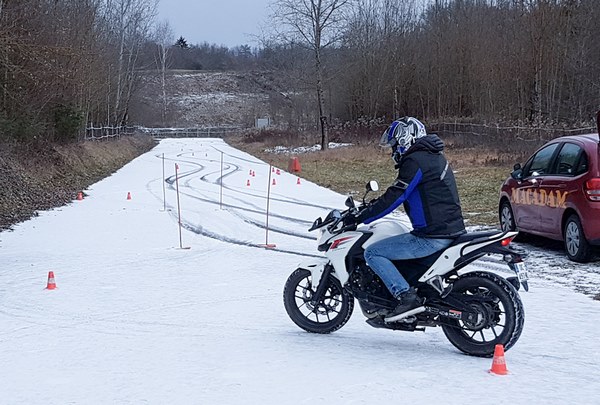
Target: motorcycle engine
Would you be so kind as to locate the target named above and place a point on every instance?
(363, 279)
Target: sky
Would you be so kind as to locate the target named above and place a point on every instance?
(142, 315)
(223, 22)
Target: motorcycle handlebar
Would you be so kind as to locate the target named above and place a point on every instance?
(344, 214)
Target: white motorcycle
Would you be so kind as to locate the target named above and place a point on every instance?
(476, 309)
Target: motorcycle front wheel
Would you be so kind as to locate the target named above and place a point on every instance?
(327, 315)
(500, 314)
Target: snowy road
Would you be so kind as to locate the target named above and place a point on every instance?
(137, 320)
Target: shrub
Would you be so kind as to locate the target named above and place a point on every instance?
(22, 129)
(67, 123)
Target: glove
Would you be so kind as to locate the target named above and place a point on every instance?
(349, 220)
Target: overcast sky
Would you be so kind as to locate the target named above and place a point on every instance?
(223, 22)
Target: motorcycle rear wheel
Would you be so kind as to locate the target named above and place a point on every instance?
(328, 315)
(502, 313)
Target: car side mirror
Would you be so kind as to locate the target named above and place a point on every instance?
(517, 172)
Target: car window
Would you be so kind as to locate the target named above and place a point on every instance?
(540, 164)
(583, 165)
(567, 160)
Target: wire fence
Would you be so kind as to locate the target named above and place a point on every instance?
(206, 132)
(502, 133)
(507, 141)
(110, 132)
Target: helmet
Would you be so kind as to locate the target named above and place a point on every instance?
(402, 134)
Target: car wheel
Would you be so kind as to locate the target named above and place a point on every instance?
(577, 247)
(507, 219)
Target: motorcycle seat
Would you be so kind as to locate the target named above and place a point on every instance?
(419, 266)
(468, 237)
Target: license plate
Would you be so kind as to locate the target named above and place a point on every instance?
(521, 271)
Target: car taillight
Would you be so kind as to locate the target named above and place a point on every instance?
(592, 189)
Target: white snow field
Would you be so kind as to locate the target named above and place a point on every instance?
(137, 320)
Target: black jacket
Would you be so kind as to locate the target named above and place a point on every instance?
(427, 188)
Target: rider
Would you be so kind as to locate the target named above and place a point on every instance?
(427, 188)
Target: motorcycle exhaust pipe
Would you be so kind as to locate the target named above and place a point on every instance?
(403, 315)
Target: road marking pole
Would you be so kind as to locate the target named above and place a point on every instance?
(178, 206)
(267, 245)
(221, 183)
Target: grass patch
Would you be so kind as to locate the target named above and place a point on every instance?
(478, 188)
(479, 174)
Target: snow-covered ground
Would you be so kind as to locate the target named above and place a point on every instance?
(135, 319)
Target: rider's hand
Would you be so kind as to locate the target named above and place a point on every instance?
(349, 220)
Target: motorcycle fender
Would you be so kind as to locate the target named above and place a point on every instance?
(316, 268)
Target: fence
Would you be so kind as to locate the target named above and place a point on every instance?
(510, 140)
(102, 133)
(208, 132)
(505, 133)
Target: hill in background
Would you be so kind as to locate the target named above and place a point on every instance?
(210, 99)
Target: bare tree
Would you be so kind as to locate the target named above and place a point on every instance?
(130, 22)
(378, 57)
(315, 24)
(165, 40)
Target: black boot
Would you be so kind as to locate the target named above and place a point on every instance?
(407, 300)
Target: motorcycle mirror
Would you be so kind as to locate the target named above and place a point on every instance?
(372, 186)
(350, 202)
(318, 222)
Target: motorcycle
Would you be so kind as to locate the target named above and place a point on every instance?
(476, 309)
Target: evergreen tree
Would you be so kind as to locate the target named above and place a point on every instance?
(182, 43)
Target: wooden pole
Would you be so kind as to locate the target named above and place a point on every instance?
(178, 206)
(221, 183)
(163, 184)
(267, 245)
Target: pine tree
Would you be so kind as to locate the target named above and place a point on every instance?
(182, 43)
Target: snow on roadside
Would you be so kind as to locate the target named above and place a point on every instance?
(135, 319)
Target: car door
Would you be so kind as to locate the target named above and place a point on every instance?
(526, 195)
(570, 163)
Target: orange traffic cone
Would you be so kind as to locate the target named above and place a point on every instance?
(274, 182)
(499, 363)
(272, 170)
(278, 172)
(298, 181)
(51, 283)
(248, 183)
(253, 173)
(250, 173)
(128, 195)
(80, 196)
(294, 165)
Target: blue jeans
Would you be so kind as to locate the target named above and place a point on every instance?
(379, 257)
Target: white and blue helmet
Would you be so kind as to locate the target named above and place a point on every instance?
(402, 134)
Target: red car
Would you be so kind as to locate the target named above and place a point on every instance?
(556, 194)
